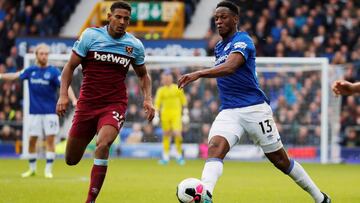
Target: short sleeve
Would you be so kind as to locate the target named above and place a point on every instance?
(139, 54)
(57, 77)
(243, 46)
(25, 73)
(82, 45)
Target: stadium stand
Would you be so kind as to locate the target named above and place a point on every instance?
(301, 28)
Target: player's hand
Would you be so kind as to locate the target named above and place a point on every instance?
(342, 87)
(188, 78)
(62, 105)
(149, 110)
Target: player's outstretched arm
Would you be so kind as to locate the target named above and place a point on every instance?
(66, 78)
(10, 76)
(234, 61)
(343, 87)
(145, 84)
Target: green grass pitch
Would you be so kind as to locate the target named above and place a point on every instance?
(144, 181)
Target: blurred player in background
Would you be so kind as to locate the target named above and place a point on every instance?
(171, 104)
(244, 108)
(343, 87)
(105, 54)
(44, 80)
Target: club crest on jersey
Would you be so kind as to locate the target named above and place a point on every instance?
(129, 49)
(47, 75)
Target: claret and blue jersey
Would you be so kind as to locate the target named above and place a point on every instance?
(43, 85)
(105, 63)
(241, 88)
(97, 43)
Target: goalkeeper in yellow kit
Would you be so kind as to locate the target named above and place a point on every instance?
(171, 106)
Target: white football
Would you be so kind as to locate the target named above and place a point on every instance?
(190, 190)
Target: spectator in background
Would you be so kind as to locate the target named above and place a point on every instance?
(351, 139)
(10, 66)
(17, 60)
(132, 114)
(209, 112)
(136, 135)
(149, 134)
(2, 11)
(7, 134)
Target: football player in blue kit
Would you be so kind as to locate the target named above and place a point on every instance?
(44, 81)
(244, 106)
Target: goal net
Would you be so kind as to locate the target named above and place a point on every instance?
(305, 110)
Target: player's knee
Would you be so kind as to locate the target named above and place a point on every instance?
(71, 161)
(103, 147)
(217, 149)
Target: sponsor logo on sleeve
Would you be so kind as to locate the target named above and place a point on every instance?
(241, 45)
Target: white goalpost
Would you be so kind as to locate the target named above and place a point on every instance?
(330, 106)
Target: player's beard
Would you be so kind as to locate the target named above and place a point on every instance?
(119, 31)
(42, 62)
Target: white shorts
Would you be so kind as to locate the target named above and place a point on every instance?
(43, 123)
(257, 121)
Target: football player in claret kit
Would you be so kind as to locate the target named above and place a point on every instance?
(244, 106)
(105, 54)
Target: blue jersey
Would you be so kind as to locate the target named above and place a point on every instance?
(241, 88)
(43, 85)
(105, 64)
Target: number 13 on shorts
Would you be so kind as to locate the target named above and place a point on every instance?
(266, 126)
(268, 129)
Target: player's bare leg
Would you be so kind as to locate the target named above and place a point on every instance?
(292, 168)
(106, 137)
(166, 142)
(32, 158)
(50, 155)
(75, 148)
(213, 169)
(178, 143)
